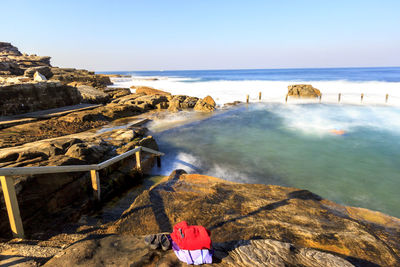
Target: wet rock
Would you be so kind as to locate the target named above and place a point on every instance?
(234, 211)
(205, 105)
(303, 91)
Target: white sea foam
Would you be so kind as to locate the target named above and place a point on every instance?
(272, 91)
(182, 160)
(323, 119)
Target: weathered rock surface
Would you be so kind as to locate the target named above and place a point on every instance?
(141, 100)
(44, 70)
(148, 90)
(205, 105)
(28, 97)
(92, 95)
(50, 199)
(303, 91)
(180, 102)
(80, 77)
(8, 49)
(234, 211)
(117, 92)
(129, 250)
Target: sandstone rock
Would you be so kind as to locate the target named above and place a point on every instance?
(174, 104)
(44, 70)
(37, 77)
(234, 211)
(117, 92)
(8, 49)
(92, 95)
(303, 90)
(82, 77)
(49, 200)
(148, 90)
(16, 80)
(28, 97)
(10, 68)
(205, 105)
(89, 153)
(141, 100)
(130, 250)
(179, 102)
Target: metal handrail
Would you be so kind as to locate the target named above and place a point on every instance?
(73, 168)
(10, 197)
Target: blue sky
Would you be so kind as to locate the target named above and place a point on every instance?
(205, 34)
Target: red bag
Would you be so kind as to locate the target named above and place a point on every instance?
(191, 237)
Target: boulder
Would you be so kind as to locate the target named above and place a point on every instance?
(37, 77)
(92, 95)
(234, 211)
(179, 102)
(148, 90)
(303, 91)
(205, 105)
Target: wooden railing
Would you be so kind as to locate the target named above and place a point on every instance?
(10, 197)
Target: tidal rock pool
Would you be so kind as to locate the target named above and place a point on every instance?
(345, 153)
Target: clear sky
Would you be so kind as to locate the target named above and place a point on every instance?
(205, 34)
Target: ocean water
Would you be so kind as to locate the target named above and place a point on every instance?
(348, 152)
(233, 85)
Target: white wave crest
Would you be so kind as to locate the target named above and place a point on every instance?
(272, 91)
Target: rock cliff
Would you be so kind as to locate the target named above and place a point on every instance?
(27, 97)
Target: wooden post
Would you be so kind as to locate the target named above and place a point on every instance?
(362, 97)
(286, 98)
(387, 97)
(247, 99)
(158, 161)
(320, 97)
(259, 96)
(10, 197)
(138, 160)
(339, 96)
(95, 183)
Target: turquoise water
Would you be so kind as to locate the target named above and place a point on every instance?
(348, 154)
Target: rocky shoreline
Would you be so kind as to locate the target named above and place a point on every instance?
(251, 225)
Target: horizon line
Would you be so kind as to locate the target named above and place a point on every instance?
(222, 69)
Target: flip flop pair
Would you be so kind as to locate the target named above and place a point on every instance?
(157, 241)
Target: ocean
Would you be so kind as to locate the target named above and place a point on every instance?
(348, 152)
